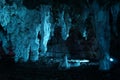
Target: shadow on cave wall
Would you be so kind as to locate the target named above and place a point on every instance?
(115, 40)
(5, 58)
(75, 46)
(56, 45)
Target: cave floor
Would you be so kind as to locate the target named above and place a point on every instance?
(23, 71)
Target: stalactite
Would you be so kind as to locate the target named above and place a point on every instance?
(65, 23)
(34, 43)
(85, 34)
(115, 10)
(68, 21)
(4, 16)
(45, 27)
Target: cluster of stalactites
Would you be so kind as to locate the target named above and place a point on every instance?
(23, 27)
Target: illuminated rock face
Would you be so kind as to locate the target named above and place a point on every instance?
(22, 34)
(102, 28)
(45, 27)
(65, 23)
(23, 26)
(27, 28)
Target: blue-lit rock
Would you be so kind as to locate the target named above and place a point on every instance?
(115, 10)
(45, 27)
(102, 28)
(65, 23)
(20, 31)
